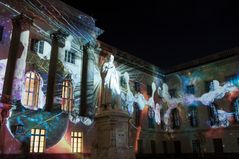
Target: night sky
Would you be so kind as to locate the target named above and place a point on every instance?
(166, 32)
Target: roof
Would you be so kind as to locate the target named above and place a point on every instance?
(57, 15)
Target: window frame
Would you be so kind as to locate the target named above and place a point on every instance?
(70, 56)
(31, 93)
(37, 136)
(78, 137)
(67, 96)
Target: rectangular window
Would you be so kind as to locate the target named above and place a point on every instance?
(177, 146)
(1, 32)
(238, 141)
(76, 142)
(172, 93)
(232, 80)
(137, 86)
(149, 90)
(196, 146)
(38, 140)
(70, 56)
(190, 89)
(165, 148)
(40, 49)
(218, 147)
(153, 146)
(140, 146)
(193, 116)
(207, 86)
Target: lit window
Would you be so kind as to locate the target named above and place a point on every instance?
(236, 109)
(31, 94)
(70, 56)
(190, 89)
(67, 96)
(1, 32)
(76, 142)
(175, 119)
(38, 140)
(151, 115)
(192, 111)
(213, 114)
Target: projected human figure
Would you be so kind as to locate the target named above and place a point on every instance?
(129, 98)
(171, 102)
(111, 84)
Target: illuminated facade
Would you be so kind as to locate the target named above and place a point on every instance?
(60, 87)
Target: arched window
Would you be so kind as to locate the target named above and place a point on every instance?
(31, 93)
(193, 116)
(67, 96)
(175, 119)
(236, 109)
(151, 115)
(213, 114)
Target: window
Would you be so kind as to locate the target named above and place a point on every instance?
(196, 146)
(1, 32)
(213, 114)
(172, 93)
(76, 142)
(175, 119)
(177, 146)
(70, 56)
(190, 89)
(151, 115)
(218, 145)
(193, 116)
(165, 148)
(238, 141)
(236, 109)
(149, 90)
(37, 46)
(137, 86)
(140, 146)
(137, 114)
(153, 146)
(38, 140)
(31, 93)
(162, 119)
(232, 80)
(67, 96)
(207, 86)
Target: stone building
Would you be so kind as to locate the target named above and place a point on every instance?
(64, 94)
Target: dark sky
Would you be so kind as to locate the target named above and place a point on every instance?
(165, 32)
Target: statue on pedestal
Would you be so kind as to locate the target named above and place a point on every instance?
(111, 84)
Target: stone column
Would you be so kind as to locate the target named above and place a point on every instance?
(112, 135)
(20, 37)
(58, 40)
(87, 82)
(20, 25)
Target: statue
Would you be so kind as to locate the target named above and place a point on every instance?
(111, 84)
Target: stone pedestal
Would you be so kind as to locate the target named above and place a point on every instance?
(112, 136)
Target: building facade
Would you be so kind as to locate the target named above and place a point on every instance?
(56, 78)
